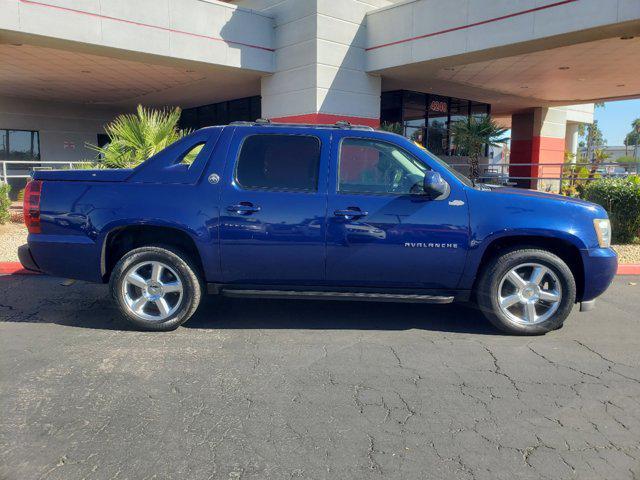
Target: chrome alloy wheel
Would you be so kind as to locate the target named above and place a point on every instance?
(529, 294)
(152, 291)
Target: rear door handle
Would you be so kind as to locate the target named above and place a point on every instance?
(350, 213)
(243, 208)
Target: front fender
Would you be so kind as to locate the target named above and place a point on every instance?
(501, 213)
(478, 247)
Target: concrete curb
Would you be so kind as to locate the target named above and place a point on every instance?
(15, 268)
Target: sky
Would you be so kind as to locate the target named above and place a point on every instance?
(615, 119)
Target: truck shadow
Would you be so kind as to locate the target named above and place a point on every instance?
(41, 299)
(231, 313)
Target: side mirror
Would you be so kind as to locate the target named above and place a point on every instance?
(435, 187)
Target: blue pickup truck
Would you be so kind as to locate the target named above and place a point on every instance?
(315, 212)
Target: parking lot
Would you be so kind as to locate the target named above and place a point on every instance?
(272, 389)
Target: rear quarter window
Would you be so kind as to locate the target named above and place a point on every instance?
(183, 161)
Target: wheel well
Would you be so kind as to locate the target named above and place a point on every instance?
(123, 240)
(569, 253)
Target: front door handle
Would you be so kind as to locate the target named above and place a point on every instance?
(350, 213)
(243, 208)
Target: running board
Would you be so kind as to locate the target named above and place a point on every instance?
(311, 295)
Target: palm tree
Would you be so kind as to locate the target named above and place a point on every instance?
(636, 129)
(472, 135)
(393, 127)
(135, 138)
(599, 156)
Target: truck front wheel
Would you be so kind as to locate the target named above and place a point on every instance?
(156, 288)
(526, 291)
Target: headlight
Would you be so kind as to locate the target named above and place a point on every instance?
(603, 231)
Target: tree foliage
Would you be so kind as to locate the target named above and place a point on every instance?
(473, 134)
(633, 137)
(593, 138)
(393, 127)
(5, 203)
(575, 176)
(599, 157)
(133, 138)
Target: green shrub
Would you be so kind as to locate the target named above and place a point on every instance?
(621, 199)
(5, 203)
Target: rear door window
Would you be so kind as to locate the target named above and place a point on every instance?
(279, 162)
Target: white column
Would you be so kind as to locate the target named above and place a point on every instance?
(320, 72)
(571, 139)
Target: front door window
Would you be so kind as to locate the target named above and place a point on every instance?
(375, 167)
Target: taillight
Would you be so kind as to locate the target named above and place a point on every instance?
(31, 206)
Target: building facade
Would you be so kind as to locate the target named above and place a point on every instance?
(68, 67)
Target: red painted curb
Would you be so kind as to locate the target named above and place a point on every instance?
(629, 269)
(14, 268)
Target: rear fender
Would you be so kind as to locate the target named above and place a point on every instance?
(117, 226)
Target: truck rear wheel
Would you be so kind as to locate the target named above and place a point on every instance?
(526, 291)
(156, 288)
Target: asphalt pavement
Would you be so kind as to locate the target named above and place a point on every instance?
(257, 389)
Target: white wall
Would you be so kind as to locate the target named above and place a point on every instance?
(57, 123)
(423, 17)
(201, 30)
(582, 113)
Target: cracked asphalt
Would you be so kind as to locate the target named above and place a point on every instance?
(258, 389)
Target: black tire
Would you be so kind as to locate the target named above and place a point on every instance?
(180, 266)
(488, 284)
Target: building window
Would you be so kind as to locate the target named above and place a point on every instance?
(103, 140)
(458, 112)
(279, 162)
(427, 119)
(222, 113)
(413, 116)
(19, 145)
(480, 109)
(391, 106)
(437, 140)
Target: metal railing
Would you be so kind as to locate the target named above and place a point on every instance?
(31, 165)
(568, 172)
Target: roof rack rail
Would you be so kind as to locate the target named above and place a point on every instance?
(263, 122)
